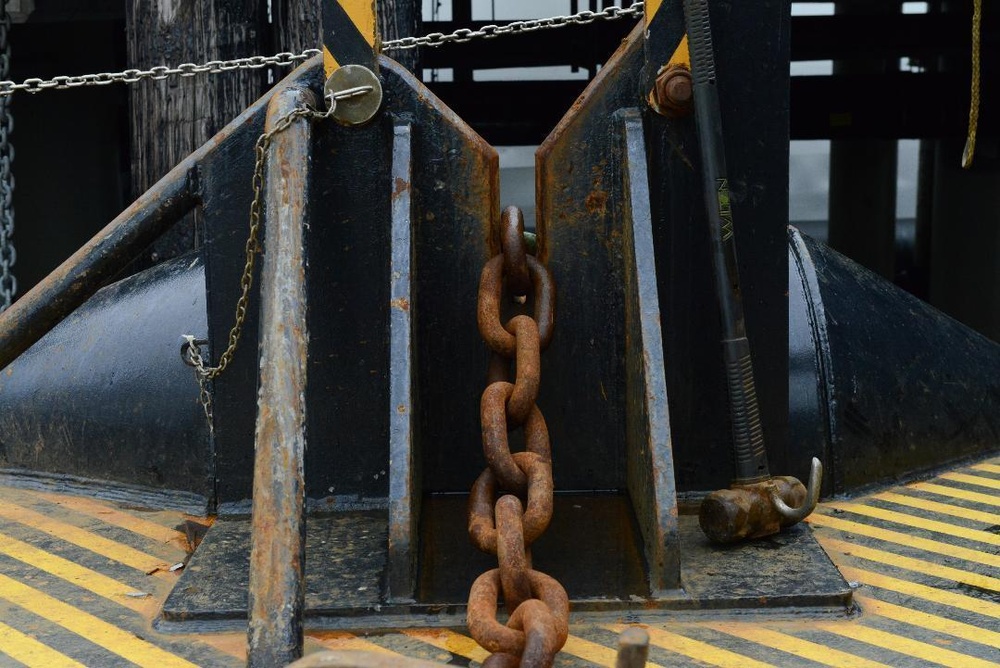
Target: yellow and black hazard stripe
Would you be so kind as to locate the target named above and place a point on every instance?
(350, 34)
(81, 582)
(666, 40)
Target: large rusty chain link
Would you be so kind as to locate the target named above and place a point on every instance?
(537, 605)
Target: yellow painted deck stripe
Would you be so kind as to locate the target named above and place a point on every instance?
(956, 493)
(925, 544)
(75, 574)
(362, 13)
(118, 641)
(910, 564)
(908, 646)
(932, 594)
(456, 643)
(116, 517)
(695, 649)
(345, 640)
(971, 480)
(977, 535)
(805, 649)
(80, 537)
(930, 622)
(989, 468)
(940, 508)
(30, 652)
(594, 652)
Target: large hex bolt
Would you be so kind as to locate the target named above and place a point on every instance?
(672, 94)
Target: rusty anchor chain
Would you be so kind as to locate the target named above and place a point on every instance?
(537, 604)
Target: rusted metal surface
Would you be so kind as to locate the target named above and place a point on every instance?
(404, 484)
(537, 605)
(748, 511)
(672, 93)
(649, 463)
(277, 542)
(496, 335)
(515, 267)
(540, 624)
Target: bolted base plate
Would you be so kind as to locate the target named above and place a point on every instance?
(593, 551)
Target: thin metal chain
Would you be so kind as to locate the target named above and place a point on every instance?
(289, 59)
(516, 27)
(204, 372)
(8, 256)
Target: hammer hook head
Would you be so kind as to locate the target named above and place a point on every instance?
(812, 496)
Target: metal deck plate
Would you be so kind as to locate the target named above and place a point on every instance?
(345, 560)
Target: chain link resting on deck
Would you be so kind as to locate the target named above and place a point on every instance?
(192, 350)
(537, 604)
(290, 59)
(8, 256)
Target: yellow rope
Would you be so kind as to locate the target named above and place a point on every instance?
(970, 142)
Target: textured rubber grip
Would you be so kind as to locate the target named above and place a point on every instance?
(699, 32)
(748, 436)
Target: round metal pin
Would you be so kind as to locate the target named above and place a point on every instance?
(356, 109)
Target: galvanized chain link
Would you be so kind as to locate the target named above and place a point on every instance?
(8, 255)
(158, 73)
(516, 27)
(289, 59)
(192, 352)
(507, 526)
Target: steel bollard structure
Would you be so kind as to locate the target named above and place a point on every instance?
(381, 226)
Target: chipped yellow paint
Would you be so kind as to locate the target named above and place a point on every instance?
(908, 646)
(118, 641)
(940, 508)
(80, 537)
(681, 55)
(910, 564)
(925, 544)
(931, 594)
(25, 649)
(329, 62)
(111, 515)
(805, 649)
(695, 649)
(345, 640)
(456, 643)
(928, 621)
(977, 535)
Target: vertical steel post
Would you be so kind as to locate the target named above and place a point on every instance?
(277, 542)
(350, 34)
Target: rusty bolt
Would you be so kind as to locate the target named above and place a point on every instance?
(672, 95)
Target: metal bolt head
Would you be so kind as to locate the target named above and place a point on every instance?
(359, 109)
(672, 94)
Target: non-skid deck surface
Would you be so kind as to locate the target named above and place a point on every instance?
(81, 582)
